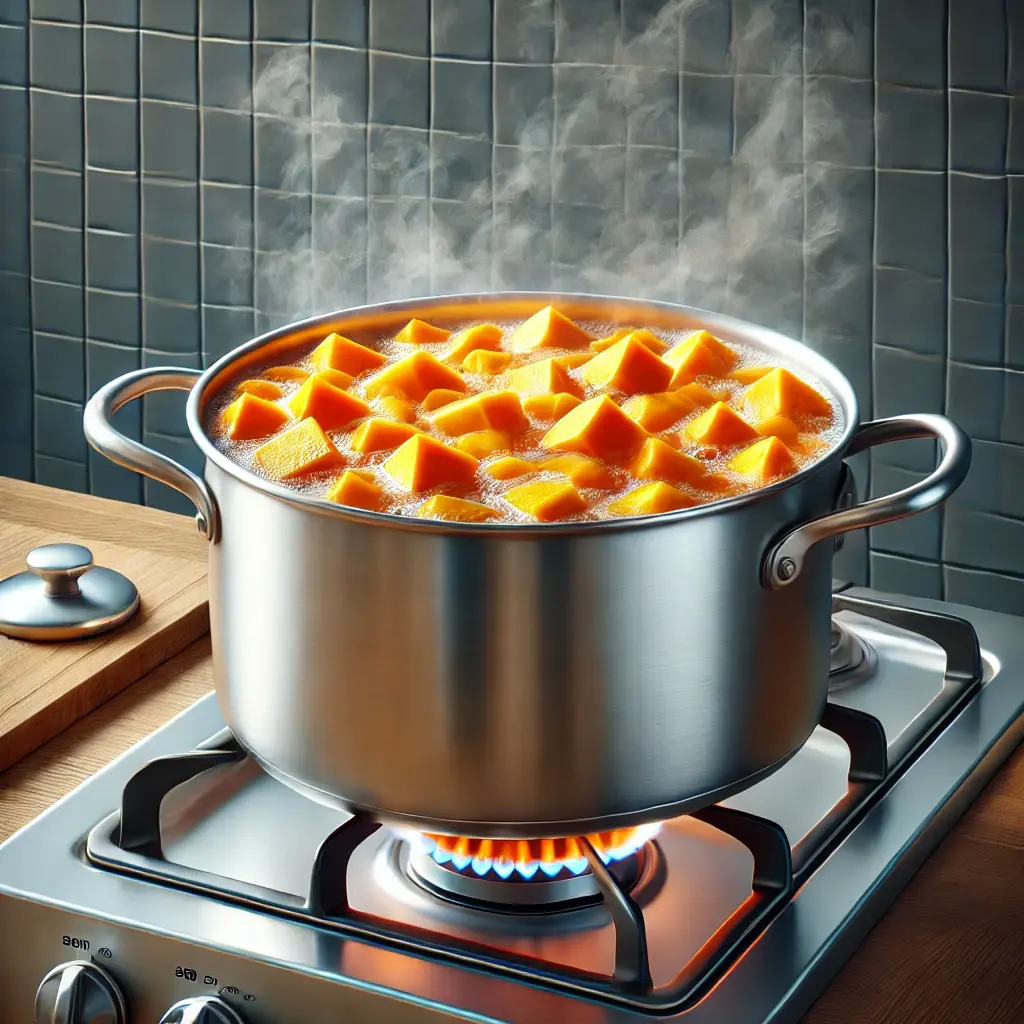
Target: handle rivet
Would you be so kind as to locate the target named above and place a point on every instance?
(786, 569)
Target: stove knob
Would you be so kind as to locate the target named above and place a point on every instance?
(201, 1010)
(79, 992)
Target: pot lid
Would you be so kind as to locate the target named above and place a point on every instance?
(63, 596)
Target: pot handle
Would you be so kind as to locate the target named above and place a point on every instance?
(109, 441)
(785, 560)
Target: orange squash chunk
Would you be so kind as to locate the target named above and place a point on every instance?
(423, 462)
(749, 374)
(509, 467)
(698, 395)
(600, 344)
(249, 417)
(397, 409)
(285, 373)
(574, 360)
(456, 510)
(547, 500)
(764, 461)
(583, 472)
(377, 435)
(720, 425)
(482, 361)
(659, 461)
(699, 354)
(598, 428)
(416, 376)
(628, 366)
(419, 332)
(658, 412)
(329, 406)
(339, 378)
(500, 410)
(550, 407)
(439, 397)
(261, 389)
(547, 329)
(781, 393)
(481, 443)
(483, 337)
(300, 450)
(778, 426)
(543, 377)
(356, 489)
(651, 499)
(646, 338)
(338, 353)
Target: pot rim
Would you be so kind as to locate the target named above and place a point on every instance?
(728, 328)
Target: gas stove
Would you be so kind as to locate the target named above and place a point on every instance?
(182, 884)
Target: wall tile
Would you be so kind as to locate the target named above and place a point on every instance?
(14, 299)
(182, 450)
(461, 169)
(111, 62)
(976, 332)
(588, 108)
(400, 26)
(838, 37)
(461, 100)
(227, 275)
(340, 21)
(58, 429)
(1015, 48)
(283, 22)
(1015, 337)
(523, 105)
(17, 460)
(169, 140)
(113, 260)
(705, 33)
(977, 44)
(59, 367)
(112, 12)
(977, 237)
(524, 33)
(57, 308)
(767, 41)
(652, 107)
(177, 16)
(170, 270)
(399, 90)
(1013, 407)
(226, 151)
(591, 175)
(461, 29)
(650, 34)
(1015, 242)
(282, 159)
(113, 317)
(13, 55)
(919, 536)
(224, 330)
(107, 480)
(974, 399)
(984, 589)
(910, 311)
(170, 327)
(57, 196)
(977, 132)
(54, 10)
(56, 56)
(57, 253)
(225, 74)
(170, 209)
(113, 200)
(910, 221)
(56, 128)
(586, 31)
(910, 126)
(910, 42)
(111, 129)
(907, 382)
(769, 119)
(839, 125)
(992, 483)
(169, 67)
(283, 221)
(895, 575)
(398, 162)
(339, 160)
(341, 85)
(229, 19)
(227, 214)
(62, 473)
(983, 540)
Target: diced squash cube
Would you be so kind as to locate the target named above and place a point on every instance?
(550, 407)
(598, 428)
(700, 354)
(509, 467)
(547, 500)
(483, 337)
(658, 412)
(543, 377)
(338, 353)
(339, 378)
(628, 366)
(249, 417)
(299, 451)
(439, 397)
(357, 489)
(749, 374)
(659, 461)
(644, 337)
(416, 376)
(482, 361)
(547, 329)
(651, 499)
(377, 435)
(583, 472)
(285, 373)
(455, 510)
(600, 344)
(261, 389)
(719, 425)
(781, 393)
(764, 461)
(481, 443)
(418, 332)
(574, 360)
(778, 426)
(329, 406)
(698, 395)
(423, 462)
(500, 410)
(397, 409)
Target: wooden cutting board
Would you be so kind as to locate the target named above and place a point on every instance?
(45, 687)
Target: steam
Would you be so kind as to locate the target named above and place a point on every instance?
(595, 192)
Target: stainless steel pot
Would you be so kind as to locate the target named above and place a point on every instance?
(512, 680)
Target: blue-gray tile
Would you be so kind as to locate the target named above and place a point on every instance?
(992, 590)
(910, 221)
(63, 473)
(911, 128)
(769, 119)
(919, 536)
(587, 31)
(461, 168)
(399, 90)
(579, 238)
(340, 21)
(977, 44)
(15, 356)
(340, 85)
(1015, 242)
(111, 62)
(907, 382)
(174, 16)
(14, 299)
(58, 428)
(839, 121)
(170, 270)
(977, 237)
(461, 29)
(1012, 429)
(910, 311)
(838, 302)
(227, 275)
(113, 317)
(16, 459)
(224, 329)
(974, 399)
(169, 67)
(282, 154)
(910, 42)
(650, 34)
(112, 260)
(227, 214)
(461, 97)
(225, 74)
(58, 308)
(590, 175)
(112, 200)
(524, 33)
(976, 332)
(652, 107)
(227, 19)
(56, 10)
(13, 55)
(124, 13)
(588, 107)
(387, 220)
(108, 480)
(226, 150)
(111, 133)
(992, 485)
(282, 74)
(339, 232)
(170, 139)
(983, 541)
(852, 562)
(339, 160)
(170, 327)
(652, 193)
(282, 22)
(706, 114)
(57, 253)
(170, 209)
(105, 362)
(59, 367)
(851, 354)
(14, 115)
(767, 41)
(895, 575)
(56, 56)
(523, 105)
(460, 247)
(14, 243)
(275, 286)
(57, 196)
(14, 12)
(1015, 48)
(400, 26)
(56, 129)
(1015, 146)
(183, 450)
(706, 37)
(1015, 337)
(283, 221)
(839, 37)
(398, 162)
(16, 424)
(977, 132)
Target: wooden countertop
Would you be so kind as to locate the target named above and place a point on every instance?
(949, 951)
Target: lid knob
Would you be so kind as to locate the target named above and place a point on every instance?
(59, 566)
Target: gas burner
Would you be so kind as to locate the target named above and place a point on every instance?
(851, 659)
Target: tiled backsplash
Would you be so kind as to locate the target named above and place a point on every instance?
(177, 175)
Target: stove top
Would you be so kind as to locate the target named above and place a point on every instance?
(182, 872)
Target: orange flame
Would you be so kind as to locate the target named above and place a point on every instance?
(544, 851)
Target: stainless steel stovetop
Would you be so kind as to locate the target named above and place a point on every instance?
(235, 892)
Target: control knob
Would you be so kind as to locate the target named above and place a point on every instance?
(79, 992)
(201, 1010)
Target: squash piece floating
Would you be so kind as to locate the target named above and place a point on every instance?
(481, 443)
(543, 377)
(778, 426)
(456, 510)
(249, 417)
(628, 366)
(600, 344)
(764, 461)
(483, 337)
(749, 374)
(547, 500)
(781, 393)
(696, 394)
(329, 406)
(397, 409)
(377, 435)
(550, 407)
(651, 499)
(646, 338)
(583, 472)
(338, 353)
(423, 462)
(339, 378)
(598, 428)
(574, 360)
(442, 396)
(285, 373)
(357, 489)
(509, 468)
(659, 461)
(500, 410)
(722, 426)
(419, 332)
(547, 329)
(261, 389)
(489, 363)
(300, 450)
(700, 354)
(658, 412)
(416, 376)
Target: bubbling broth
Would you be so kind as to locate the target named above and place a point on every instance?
(542, 420)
